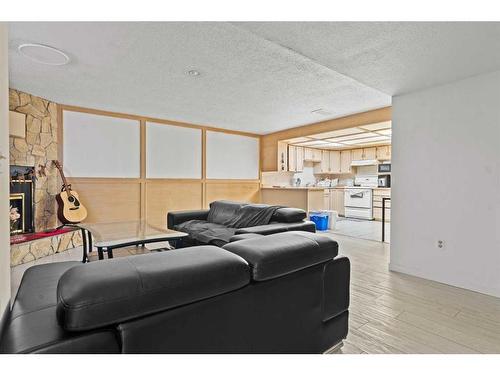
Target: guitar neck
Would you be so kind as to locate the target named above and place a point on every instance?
(65, 182)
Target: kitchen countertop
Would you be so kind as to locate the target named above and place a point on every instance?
(319, 187)
(293, 187)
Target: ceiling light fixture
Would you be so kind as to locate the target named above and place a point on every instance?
(193, 72)
(321, 112)
(43, 54)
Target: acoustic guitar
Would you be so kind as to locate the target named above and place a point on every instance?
(70, 209)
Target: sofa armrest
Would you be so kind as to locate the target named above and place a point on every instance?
(336, 279)
(178, 217)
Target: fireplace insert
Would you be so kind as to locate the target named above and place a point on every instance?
(22, 188)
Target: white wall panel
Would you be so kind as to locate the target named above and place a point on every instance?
(231, 156)
(172, 151)
(100, 146)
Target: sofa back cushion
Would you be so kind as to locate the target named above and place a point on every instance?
(111, 291)
(222, 212)
(279, 254)
(289, 215)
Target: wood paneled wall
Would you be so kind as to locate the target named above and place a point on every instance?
(114, 199)
(269, 142)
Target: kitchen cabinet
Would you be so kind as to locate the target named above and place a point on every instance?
(337, 201)
(317, 154)
(295, 158)
(312, 154)
(324, 166)
(334, 161)
(345, 161)
(282, 157)
(308, 153)
(292, 158)
(384, 152)
(369, 153)
(300, 158)
(378, 194)
(357, 154)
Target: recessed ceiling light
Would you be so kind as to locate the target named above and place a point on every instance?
(193, 72)
(43, 54)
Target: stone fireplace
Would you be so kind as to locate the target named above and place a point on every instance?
(35, 181)
(37, 151)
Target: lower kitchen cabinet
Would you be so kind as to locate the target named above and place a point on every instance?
(337, 201)
(378, 194)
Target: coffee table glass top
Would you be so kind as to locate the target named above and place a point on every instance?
(122, 232)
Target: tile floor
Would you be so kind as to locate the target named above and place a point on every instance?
(364, 229)
(392, 312)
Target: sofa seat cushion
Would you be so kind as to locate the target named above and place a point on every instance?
(39, 332)
(196, 226)
(244, 236)
(116, 290)
(265, 230)
(289, 215)
(38, 288)
(304, 226)
(283, 253)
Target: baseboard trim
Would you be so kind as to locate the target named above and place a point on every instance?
(468, 285)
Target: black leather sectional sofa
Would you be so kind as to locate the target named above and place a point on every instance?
(281, 293)
(218, 226)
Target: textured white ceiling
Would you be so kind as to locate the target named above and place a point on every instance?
(246, 83)
(393, 57)
(256, 77)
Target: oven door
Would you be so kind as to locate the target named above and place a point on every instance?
(359, 198)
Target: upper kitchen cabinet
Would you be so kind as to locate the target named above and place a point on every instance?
(295, 158)
(282, 157)
(324, 166)
(300, 158)
(335, 166)
(312, 154)
(369, 153)
(345, 161)
(357, 154)
(384, 152)
(292, 158)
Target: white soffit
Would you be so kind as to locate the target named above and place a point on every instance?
(393, 57)
(245, 82)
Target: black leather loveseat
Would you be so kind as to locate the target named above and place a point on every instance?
(225, 222)
(282, 293)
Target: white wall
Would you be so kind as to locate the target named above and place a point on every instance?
(4, 173)
(446, 183)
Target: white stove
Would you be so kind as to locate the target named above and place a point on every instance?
(358, 200)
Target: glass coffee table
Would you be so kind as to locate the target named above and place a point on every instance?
(113, 235)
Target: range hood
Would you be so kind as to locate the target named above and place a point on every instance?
(362, 163)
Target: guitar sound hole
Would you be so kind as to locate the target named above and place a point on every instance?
(71, 199)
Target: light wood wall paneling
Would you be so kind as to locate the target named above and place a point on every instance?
(109, 199)
(244, 191)
(171, 195)
(269, 142)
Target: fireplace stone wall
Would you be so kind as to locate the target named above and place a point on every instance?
(38, 150)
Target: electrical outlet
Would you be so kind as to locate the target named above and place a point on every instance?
(440, 244)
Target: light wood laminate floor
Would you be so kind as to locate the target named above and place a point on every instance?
(396, 313)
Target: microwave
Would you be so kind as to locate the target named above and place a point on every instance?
(384, 168)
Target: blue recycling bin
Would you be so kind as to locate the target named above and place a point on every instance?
(320, 219)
